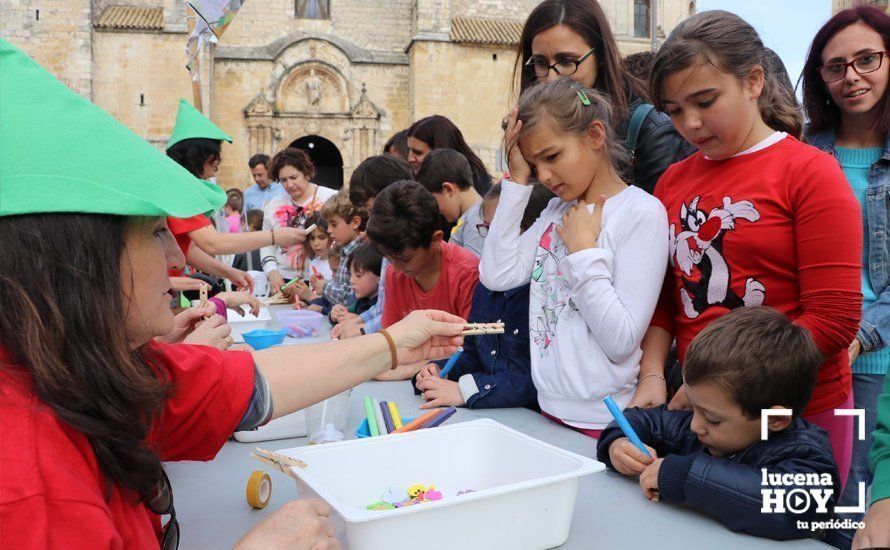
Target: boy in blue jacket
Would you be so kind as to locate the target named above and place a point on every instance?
(494, 371)
(713, 458)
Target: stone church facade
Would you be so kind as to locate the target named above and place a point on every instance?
(336, 77)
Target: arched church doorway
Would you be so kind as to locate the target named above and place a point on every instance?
(327, 160)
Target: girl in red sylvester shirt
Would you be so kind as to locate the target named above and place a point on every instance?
(756, 217)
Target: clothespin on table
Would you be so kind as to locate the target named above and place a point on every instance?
(280, 461)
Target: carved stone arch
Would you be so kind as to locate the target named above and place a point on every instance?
(292, 95)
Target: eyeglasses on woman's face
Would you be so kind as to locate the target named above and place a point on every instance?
(864, 64)
(563, 67)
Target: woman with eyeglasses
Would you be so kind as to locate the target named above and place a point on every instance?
(573, 38)
(95, 390)
(845, 81)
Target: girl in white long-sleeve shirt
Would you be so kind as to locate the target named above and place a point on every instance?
(596, 257)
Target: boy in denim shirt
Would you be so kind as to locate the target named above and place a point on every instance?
(494, 370)
(713, 458)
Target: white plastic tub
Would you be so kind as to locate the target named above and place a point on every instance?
(524, 489)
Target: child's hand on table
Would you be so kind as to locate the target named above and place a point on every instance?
(430, 369)
(627, 459)
(348, 329)
(234, 300)
(439, 392)
(580, 229)
(340, 313)
(649, 479)
(302, 290)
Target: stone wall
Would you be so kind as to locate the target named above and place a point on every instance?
(56, 33)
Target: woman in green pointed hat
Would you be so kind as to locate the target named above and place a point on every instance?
(92, 400)
(196, 145)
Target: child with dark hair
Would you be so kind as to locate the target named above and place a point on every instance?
(368, 179)
(447, 175)
(751, 360)
(425, 272)
(397, 145)
(364, 269)
(374, 174)
(480, 378)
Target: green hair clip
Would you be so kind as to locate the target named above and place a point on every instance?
(581, 95)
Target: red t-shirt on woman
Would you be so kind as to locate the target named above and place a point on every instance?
(777, 227)
(52, 491)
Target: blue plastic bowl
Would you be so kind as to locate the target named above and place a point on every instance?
(261, 339)
(362, 431)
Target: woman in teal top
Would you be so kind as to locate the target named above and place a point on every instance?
(845, 95)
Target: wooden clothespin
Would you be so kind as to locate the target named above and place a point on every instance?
(202, 295)
(474, 329)
(280, 461)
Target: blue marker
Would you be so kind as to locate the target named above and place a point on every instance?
(625, 425)
(451, 362)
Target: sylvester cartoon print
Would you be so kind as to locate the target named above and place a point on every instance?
(698, 251)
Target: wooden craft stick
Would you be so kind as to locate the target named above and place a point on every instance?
(202, 296)
(283, 463)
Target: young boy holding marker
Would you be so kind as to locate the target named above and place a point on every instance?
(424, 271)
(713, 458)
(446, 174)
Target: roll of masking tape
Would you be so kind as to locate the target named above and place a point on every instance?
(259, 489)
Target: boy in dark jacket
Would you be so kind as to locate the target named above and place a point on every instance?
(495, 369)
(713, 457)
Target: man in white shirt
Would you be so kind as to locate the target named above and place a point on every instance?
(264, 189)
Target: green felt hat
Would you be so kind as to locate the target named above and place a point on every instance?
(61, 153)
(190, 123)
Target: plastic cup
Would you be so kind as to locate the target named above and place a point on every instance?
(326, 421)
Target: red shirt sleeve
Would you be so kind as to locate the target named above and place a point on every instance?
(210, 394)
(828, 225)
(390, 305)
(178, 226)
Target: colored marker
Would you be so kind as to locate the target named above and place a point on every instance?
(440, 418)
(450, 364)
(387, 417)
(381, 425)
(316, 273)
(292, 281)
(372, 418)
(394, 411)
(624, 424)
(418, 422)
